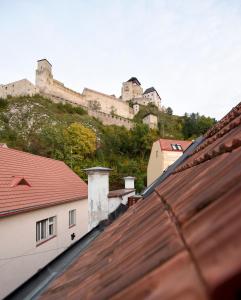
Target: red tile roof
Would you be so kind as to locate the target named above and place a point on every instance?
(166, 145)
(49, 182)
(181, 242)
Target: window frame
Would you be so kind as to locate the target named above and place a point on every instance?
(176, 147)
(72, 218)
(46, 229)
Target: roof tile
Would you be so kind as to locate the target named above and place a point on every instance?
(51, 182)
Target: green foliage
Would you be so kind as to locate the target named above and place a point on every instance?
(145, 110)
(68, 108)
(3, 103)
(65, 132)
(194, 125)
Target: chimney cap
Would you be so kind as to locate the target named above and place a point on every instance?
(97, 169)
(129, 177)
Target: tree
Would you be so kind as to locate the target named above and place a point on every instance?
(79, 142)
(195, 125)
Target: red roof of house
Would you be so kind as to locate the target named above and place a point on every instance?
(181, 242)
(166, 145)
(29, 181)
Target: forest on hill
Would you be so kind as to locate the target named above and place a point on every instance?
(65, 132)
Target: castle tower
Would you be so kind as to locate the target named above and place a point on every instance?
(131, 89)
(44, 76)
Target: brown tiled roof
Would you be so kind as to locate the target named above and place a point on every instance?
(119, 193)
(29, 181)
(181, 242)
(166, 144)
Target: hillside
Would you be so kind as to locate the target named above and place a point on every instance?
(37, 125)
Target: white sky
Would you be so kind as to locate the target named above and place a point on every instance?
(189, 50)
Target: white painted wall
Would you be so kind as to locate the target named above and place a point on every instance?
(115, 202)
(98, 190)
(18, 239)
(129, 182)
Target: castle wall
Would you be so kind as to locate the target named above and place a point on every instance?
(21, 87)
(106, 119)
(109, 104)
(58, 89)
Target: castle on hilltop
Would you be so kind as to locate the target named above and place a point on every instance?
(108, 108)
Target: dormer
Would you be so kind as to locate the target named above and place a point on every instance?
(20, 181)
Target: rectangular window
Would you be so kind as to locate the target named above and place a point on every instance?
(176, 147)
(72, 217)
(45, 229)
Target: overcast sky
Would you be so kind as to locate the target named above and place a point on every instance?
(190, 51)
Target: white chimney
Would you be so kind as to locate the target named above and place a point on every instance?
(98, 190)
(129, 182)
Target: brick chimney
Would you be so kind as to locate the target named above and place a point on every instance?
(98, 190)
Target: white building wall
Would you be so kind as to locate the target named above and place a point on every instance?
(115, 202)
(20, 258)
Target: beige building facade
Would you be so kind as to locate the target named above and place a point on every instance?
(164, 153)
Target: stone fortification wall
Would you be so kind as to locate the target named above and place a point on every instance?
(109, 104)
(21, 87)
(106, 119)
(59, 90)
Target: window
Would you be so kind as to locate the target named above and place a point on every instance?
(72, 217)
(45, 229)
(176, 147)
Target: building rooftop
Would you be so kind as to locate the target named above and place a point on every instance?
(119, 193)
(45, 60)
(181, 242)
(151, 90)
(134, 80)
(174, 145)
(29, 182)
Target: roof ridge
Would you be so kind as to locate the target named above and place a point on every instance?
(228, 118)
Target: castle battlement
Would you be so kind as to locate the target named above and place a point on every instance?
(47, 85)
